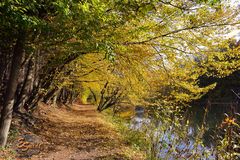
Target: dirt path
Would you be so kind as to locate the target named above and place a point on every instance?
(79, 133)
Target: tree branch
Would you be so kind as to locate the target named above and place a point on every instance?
(180, 30)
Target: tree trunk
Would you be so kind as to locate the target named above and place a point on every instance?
(56, 96)
(94, 95)
(26, 87)
(47, 97)
(6, 113)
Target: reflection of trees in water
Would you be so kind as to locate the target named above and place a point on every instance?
(167, 139)
(164, 135)
(214, 118)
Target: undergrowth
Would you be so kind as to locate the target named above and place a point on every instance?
(170, 139)
(8, 153)
(137, 140)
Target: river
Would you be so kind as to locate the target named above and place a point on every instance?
(195, 116)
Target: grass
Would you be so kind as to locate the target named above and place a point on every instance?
(7, 153)
(13, 134)
(137, 140)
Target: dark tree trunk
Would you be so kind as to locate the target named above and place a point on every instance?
(101, 102)
(44, 80)
(94, 95)
(6, 113)
(49, 95)
(26, 87)
(112, 97)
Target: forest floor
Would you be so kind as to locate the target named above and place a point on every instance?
(75, 133)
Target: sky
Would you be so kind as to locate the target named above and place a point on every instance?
(235, 33)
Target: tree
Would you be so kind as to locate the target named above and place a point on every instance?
(55, 33)
(128, 35)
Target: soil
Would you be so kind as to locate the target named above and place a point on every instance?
(77, 132)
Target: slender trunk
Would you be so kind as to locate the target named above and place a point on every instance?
(101, 102)
(5, 62)
(34, 102)
(56, 96)
(94, 95)
(47, 97)
(26, 88)
(6, 113)
(63, 95)
(21, 79)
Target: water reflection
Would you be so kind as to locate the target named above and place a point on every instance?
(139, 120)
(164, 138)
(214, 117)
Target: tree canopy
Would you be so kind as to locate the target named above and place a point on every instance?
(150, 52)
